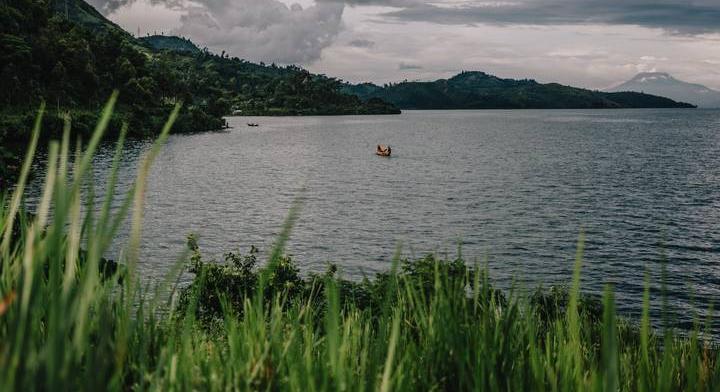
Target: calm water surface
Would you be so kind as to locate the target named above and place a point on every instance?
(513, 188)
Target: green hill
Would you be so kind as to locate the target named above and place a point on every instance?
(478, 90)
(82, 13)
(172, 43)
(65, 53)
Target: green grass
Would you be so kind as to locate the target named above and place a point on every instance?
(427, 324)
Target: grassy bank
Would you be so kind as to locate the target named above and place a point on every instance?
(248, 324)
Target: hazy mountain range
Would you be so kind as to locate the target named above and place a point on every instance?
(479, 90)
(663, 84)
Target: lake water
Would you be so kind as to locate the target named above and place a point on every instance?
(512, 188)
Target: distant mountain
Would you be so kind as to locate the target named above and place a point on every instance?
(478, 90)
(663, 84)
(169, 42)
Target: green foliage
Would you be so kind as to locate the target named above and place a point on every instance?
(478, 90)
(74, 60)
(168, 42)
(428, 324)
(67, 54)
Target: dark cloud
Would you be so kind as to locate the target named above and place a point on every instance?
(264, 30)
(258, 30)
(274, 31)
(108, 6)
(386, 3)
(361, 43)
(676, 16)
(409, 67)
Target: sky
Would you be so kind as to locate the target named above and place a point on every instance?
(586, 43)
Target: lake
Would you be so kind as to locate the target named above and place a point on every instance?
(513, 189)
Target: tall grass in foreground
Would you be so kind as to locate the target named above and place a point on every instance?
(438, 325)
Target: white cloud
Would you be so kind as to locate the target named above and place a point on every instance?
(591, 56)
(361, 42)
(264, 30)
(653, 58)
(578, 53)
(258, 30)
(146, 17)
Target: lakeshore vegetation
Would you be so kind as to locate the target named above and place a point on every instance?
(69, 322)
(67, 54)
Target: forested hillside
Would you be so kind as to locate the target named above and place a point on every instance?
(169, 42)
(478, 90)
(68, 55)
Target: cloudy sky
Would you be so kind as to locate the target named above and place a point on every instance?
(587, 43)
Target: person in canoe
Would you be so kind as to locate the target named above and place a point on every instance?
(383, 150)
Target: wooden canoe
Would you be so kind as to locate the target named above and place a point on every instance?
(383, 150)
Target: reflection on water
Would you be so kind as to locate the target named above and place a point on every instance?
(514, 188)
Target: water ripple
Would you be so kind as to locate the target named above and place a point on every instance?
(515, 188)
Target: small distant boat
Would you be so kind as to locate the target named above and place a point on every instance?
(383, 150)
(253, 125)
